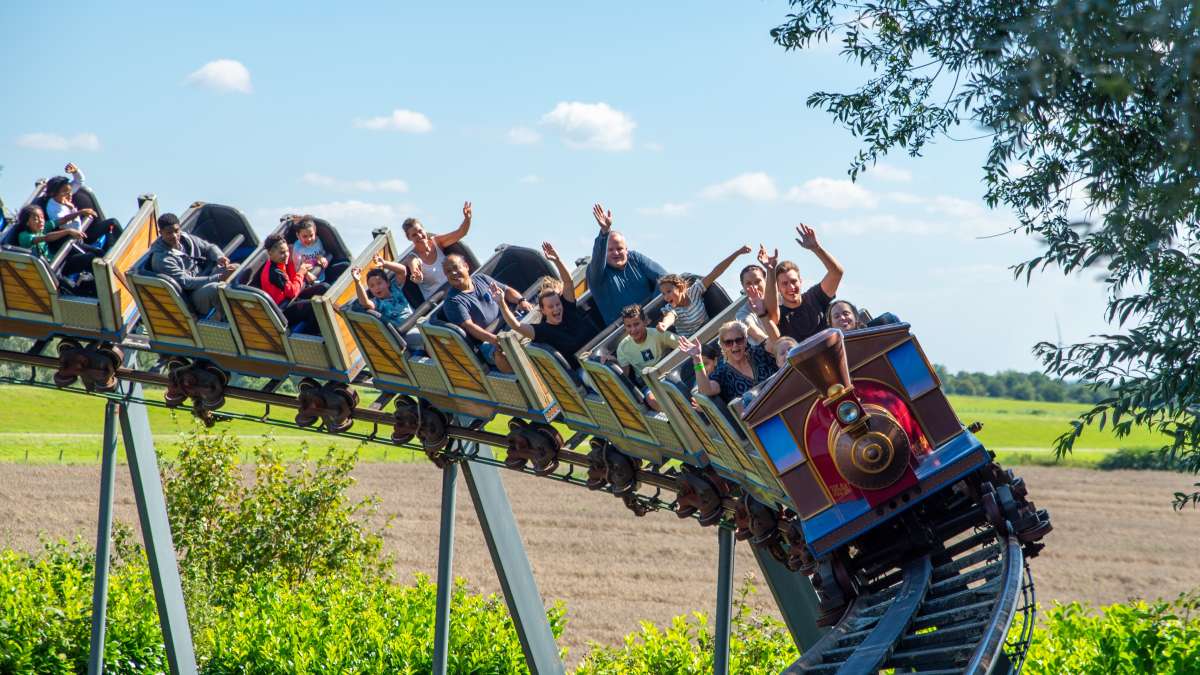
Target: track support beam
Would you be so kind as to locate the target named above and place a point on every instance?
(512, 564)
(724, 600)
(795, 597)
(108, 477)
(156, 532)
(445, 570)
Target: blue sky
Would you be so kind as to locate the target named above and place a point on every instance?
(691, 126)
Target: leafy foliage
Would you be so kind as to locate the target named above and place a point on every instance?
(1137, 638)
(293, 520)
(758, 645)
(1142, 460)
(1091, 109)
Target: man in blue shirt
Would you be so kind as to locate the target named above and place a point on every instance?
(474, 307)
(617, 276)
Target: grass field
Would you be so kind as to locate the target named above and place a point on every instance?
(48, 426)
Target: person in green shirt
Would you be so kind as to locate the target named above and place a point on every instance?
(35, 234)
(642, 347)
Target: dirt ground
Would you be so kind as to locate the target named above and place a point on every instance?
(1115, 538)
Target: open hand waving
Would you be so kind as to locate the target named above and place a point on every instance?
(549, 252)
(604, 218)
(807, 238)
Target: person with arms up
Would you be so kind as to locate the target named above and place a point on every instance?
(198, 266)
(386, 296)
(473, 306)
(563, 326)
(801, 314)
(687, 312)
(426, 269)
(62, 214)
(617, 276)
(642, 347)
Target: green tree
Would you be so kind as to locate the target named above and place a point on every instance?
(1090, 107)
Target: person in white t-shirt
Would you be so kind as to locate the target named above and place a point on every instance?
(425, 267)
(61, 211)
(687, 312)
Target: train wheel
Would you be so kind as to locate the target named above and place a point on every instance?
(340, 415)
(546, 442)
(310, 401)
(212, 386)
(519, 450)
(408, 419)
(175, 393)
(108, 359)
(622, 470)
(597, 473)
(434, 429)
(71, 362)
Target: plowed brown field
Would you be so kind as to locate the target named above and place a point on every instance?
(1115, 538)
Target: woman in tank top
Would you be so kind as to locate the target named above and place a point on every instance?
(425, 268)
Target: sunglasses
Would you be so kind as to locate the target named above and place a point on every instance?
(733, 341)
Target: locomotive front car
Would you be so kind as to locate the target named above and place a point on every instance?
(35, 305)
(860, 435)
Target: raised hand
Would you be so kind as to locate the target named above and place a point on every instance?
(497, 292)
(744, 250)
(356, 273)
(70, 167)
(689, 347)
(467, 212)
(756, 300)
(377, 260)
(549, 252)
(768, 260)
(525, 305)
(807, 238)
(604, 218)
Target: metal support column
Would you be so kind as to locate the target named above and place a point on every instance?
(445, 571)
(724, 600)
(156, 532)
(108, 476)
(795, 597)
(512, 565)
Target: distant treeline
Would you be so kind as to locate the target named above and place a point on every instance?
(1021, 386)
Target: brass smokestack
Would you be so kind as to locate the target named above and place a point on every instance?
(821, 359)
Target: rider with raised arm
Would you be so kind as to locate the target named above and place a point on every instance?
(617, 276)
(801, 314)
(687, 312)
(426, 267)
(62, 214)
(474, 306)
(563, 326)
(386, 296)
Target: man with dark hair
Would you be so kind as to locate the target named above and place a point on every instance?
(617, 276)
(798, 314)
(474, 305)
(193, 263)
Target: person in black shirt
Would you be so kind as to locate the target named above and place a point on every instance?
(800, 315)
(563, 326)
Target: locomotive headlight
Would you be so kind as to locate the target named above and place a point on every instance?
(848, 412)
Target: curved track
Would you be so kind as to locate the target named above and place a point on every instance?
(949, 611)
(942, 613)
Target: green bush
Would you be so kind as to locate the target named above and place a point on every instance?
(1162, 638)
(332, 623)
(758, 645)
(1143, 460)
(294, 519)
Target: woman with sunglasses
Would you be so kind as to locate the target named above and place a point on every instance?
(745, 365)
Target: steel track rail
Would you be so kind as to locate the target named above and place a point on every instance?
(944, 614)
(660, 482)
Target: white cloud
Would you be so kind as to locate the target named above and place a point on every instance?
(904, 198)
(756, 186)
(224, 75)
(953, 206)
(592, 126)
(47, 141)
(387, 185)
(884, 224)
(523, 136)
(531, 179)
(832, 193)
(887, 172)
(408, 121)
(668, 210)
